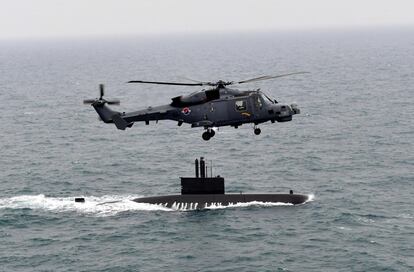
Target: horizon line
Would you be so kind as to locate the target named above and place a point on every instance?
(345, 29)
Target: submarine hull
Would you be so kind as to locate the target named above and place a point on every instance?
(200, 201)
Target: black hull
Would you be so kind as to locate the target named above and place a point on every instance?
(200, 201)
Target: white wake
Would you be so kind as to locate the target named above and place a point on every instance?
(106, 205)
(109, 205)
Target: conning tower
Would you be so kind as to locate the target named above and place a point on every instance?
(201, 183)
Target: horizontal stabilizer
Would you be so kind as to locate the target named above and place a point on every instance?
(120, 123)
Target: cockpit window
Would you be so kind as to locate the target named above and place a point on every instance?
(259, 103)
(267, 99)
(241, 105)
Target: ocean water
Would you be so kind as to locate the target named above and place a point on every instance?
(351, 148)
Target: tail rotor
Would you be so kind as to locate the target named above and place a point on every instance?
(101, 90)
(101, 100)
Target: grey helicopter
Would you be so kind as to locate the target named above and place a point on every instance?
(210, 108)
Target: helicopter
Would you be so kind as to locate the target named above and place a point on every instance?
(210, 108)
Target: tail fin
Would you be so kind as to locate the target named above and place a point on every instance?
(110, 116)
(105, 113)
(119, 122)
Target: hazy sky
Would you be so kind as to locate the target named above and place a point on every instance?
(58, 18)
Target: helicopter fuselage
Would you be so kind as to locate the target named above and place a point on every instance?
(207, 108)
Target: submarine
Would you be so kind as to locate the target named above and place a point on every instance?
(203, 191)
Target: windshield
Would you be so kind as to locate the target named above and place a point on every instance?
(266, 98)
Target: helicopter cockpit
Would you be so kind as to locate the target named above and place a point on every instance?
(266, 98)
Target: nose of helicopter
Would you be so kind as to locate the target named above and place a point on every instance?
(294, 107)
(285, 112)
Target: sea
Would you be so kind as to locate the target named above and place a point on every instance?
(351, 150)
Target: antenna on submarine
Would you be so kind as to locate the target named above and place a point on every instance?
(196, 168)
(202, 168)
(206, 170)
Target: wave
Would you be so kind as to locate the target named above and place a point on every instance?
(108, 205)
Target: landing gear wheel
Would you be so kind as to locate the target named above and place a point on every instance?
(257, 131)
(212, 133)
(206, 136)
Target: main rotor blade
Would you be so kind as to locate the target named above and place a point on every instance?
(167, 83)
(194, 80)
(268, 77)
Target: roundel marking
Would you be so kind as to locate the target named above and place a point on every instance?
(186, 111)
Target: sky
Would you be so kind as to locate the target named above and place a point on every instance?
(80, 18)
